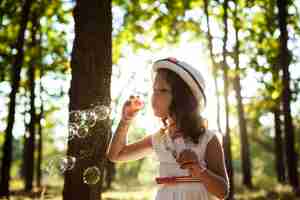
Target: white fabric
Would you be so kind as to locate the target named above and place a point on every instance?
(169, 167)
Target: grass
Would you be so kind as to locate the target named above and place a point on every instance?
(131, 190)
(278, 192)
(141, 193)
(137, 191)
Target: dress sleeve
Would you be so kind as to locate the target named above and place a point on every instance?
(210, 135)
(206, 138)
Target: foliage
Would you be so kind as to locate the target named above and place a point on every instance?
(151, 24)
(50, 57)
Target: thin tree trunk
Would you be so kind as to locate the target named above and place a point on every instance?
(227, 140)
(25, 147)
(40, 148)
(284, 58)
(15, 77)
(214, 65)
(91, 74)
(32, 132)
(277, 110)
(25, 138)
(40, 128)
(110, 169)
(279, 146)
(245, 153)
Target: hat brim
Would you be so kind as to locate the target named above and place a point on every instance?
(188, 75)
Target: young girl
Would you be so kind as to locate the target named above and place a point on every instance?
(191, 158)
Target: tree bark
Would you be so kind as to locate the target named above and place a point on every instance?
(110, 173)
(245, 153)
(284, 59)
(40, 128)
(15, 82)
(279, 146)
(227, 140)
(214, 64)
(91, 76)
(40, 148)
(32, 132)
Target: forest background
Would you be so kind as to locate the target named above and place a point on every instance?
(64, 59)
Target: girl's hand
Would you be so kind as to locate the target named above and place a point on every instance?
(131, 107)
(188, 159)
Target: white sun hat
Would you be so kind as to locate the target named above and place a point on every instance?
(191, 76)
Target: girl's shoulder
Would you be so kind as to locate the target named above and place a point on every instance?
(209, 135)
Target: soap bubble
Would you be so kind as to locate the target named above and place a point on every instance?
(102, 112)
(75, 116)
(91, 118)
(73, 129)
(83, 131)
(68, 163)
(91, 175)
(82, 120)
(60, 164)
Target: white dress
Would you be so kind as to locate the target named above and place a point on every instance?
(169, 167)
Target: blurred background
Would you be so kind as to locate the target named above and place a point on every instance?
(59, 89)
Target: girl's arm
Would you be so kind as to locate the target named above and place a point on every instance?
(119, 150)
(214, 176)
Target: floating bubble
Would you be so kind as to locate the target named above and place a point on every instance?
(68, 163)
(75, 116)
(60, 164)
(82, 120)
(73, 129)
(83, 131)
(102, 112)
(91, 118)
(91, 175)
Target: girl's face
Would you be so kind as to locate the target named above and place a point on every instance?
(161, 97)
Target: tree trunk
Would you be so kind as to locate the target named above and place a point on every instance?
(15, 78)
(284, 58)
(24, 168)
(91, 75)
(110, 173)
(31, 140)
(40, 128)
(277, 113)
(227, 140)
(40, 148)
(245, 153)
(214, 64)
(279, 148)
(25, 144)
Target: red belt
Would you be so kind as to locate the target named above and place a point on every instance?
(176, 179)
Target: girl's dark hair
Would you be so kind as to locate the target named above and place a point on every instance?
(184, 107)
